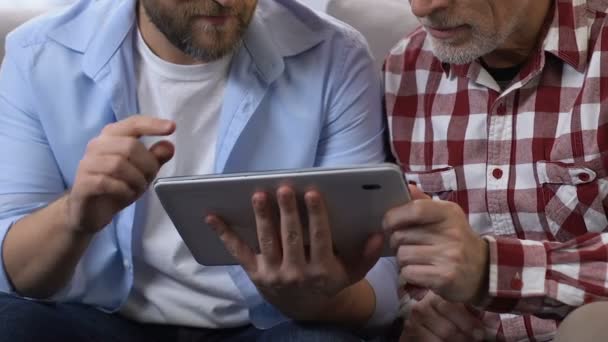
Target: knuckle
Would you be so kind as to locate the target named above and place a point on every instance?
(445, 331)
(101, 184)
(267, 242)
(396, 239)
(292, 279)
(389, 221)
(131, 146)
(292, 238)
(402, 256)
(270, 280)
(448, 278)
(418, 310)
(318, 234)
(256, 278)
(319, 276)
(454, 255)
(108, 128)
(417, 209)
(115, 165)
(93, 144)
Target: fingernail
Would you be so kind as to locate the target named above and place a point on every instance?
(313, 201)
(210, 220)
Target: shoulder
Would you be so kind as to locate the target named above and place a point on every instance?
(410, 53)
(296, 28)
(71, 28)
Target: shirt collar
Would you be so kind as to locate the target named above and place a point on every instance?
(566, 36)
(279, 28)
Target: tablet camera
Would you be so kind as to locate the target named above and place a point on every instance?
(371, 186)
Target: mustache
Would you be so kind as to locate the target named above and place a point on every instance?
(441, 20)
(206, 8)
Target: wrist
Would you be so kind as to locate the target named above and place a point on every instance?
(355, 305)
(74, 228)
(481, 293)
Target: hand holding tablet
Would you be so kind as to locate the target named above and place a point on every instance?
(356, 198)
(306, 238)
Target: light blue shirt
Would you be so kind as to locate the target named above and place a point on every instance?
(302, 92)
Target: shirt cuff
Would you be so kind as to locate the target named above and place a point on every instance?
(384, 280)
(517, 270)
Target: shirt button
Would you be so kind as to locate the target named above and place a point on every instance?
(584, 177)
(502, 109)
(517, 284)
(497, 173)
(126, 264)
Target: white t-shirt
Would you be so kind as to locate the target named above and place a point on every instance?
(169, 286)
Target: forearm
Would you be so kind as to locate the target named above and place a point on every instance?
(40, 251)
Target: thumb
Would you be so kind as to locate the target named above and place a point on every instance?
(417, 194)
(163, 151)
(371, 253)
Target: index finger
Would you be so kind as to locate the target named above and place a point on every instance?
(233, 243)
(139, 125)
(415, 213)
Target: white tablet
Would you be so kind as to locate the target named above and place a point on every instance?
(356, 197)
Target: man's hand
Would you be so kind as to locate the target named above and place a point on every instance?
(301, 285)
(437, 249)
(116, 170)
(435, 320)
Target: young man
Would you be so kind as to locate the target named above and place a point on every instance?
(220, 86)
(498, 109)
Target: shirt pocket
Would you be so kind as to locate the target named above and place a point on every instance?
(574, 196)
(438, 183)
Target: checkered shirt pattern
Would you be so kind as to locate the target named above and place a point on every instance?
(528, 164)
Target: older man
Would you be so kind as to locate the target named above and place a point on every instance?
(498, 109)
(222, 86)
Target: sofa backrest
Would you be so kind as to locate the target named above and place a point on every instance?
(10, 18)
(382, 22)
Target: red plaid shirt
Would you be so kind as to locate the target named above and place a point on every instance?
(529, 164)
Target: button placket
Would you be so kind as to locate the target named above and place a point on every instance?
(500, 135)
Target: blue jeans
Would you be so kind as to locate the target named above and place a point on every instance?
(24, 321)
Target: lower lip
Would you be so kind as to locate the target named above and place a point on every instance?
(214, 20)
(447, 33)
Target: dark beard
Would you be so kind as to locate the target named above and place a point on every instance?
(179, 29)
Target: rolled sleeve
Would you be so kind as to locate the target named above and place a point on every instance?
(5, 225)
(383, 279)
(13, 208)
(29, 174)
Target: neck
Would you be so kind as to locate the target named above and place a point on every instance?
(158, 43)
(519, 45)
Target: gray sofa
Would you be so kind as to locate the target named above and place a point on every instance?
(382, 22)
(11, 18)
